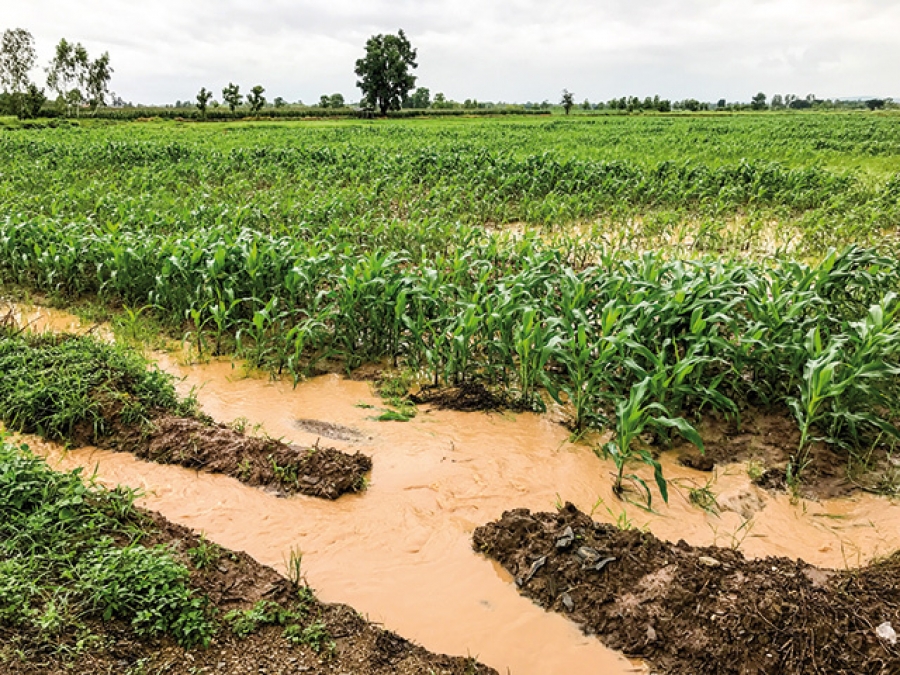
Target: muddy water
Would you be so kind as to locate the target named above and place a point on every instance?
(401, 554)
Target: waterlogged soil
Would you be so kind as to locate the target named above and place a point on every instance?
(700, 610)
(770, 440)
(232, 581)
(468, 397)
(261, 462)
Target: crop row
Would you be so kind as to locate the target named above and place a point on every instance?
(156, 186)
(647, 337)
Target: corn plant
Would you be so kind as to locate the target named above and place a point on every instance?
(633, 415)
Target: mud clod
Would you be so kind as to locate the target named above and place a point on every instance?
(703, 611)
(469, 397)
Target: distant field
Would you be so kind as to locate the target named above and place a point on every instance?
(798, 182)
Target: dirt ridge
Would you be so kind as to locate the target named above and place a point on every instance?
(260, 462)
(700, 611)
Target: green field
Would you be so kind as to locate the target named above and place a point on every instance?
(641, 269)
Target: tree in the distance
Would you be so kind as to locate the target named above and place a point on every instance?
(203, 98)
(420, 99)
(568, 100)
(232, 96)
(385, 80)
(96, 80)
(759, 102)
(17, 57)
(255, 98)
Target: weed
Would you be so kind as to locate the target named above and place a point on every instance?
(204, 554)
(755, 470)
(70, 553)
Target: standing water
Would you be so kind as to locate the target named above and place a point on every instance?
(400, 553)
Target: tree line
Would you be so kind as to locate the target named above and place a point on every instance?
(385, 80)
(74, 77)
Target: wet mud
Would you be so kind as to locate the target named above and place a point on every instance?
(771, 440)
(260, 462)
(701, 610)
(469, 397)
(233, 581)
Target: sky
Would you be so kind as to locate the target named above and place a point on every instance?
(512, 51)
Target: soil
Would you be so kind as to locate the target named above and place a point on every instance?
(264, 462)
(468, 397)
(697, 611)
(232, 581)
(771, 439)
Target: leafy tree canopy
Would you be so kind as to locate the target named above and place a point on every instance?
(385, 80)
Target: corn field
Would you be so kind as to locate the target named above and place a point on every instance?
(464, 252)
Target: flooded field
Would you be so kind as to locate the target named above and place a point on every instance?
(401, 552)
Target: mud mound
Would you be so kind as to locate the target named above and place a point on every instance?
(318, 472)
(700, 611)
(469, 397)
(232, 580)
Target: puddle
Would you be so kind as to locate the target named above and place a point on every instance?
(401, 553)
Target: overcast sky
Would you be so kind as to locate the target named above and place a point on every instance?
(512, 50)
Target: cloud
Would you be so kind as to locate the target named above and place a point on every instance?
(515, 50)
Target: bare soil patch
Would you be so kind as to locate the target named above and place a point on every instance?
(232, 581)
(468, 397)
(262, 462)
(772, 439)
(697, 611)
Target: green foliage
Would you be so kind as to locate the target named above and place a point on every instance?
(633, 415)
(231, 94)
(204, 96)
(384, 74)
(255, 98)
(70, 553)
(64, 386)
(297, 629)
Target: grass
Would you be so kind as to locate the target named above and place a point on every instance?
(71, 557)
(69, 387)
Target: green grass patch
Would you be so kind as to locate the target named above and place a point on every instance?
(71, 555)
(67, 387)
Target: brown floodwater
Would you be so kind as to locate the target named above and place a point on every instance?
(401, 554)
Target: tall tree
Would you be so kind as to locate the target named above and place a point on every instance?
(759, 102)
(568, 100)
(203, 98)
(64, 68)
(96, 80)
(232, 96)
(17, 57)
(384, 74)
(255, 98)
